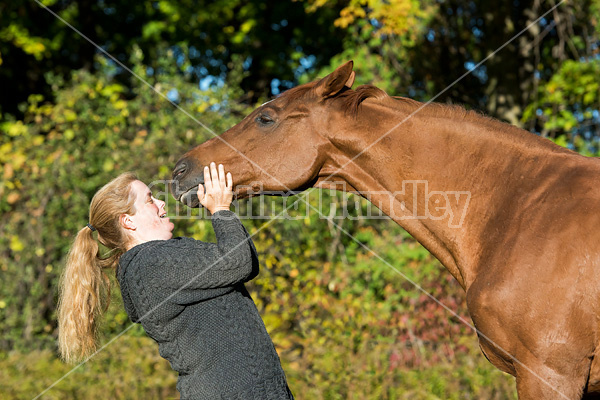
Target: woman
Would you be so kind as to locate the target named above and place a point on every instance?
(188, 295)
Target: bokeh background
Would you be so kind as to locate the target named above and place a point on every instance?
(345, 324)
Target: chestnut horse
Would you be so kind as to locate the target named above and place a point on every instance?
(527, 250)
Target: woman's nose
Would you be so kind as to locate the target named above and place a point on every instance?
(159, 203)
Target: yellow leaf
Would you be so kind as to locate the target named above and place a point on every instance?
(8, 171)
(108, 165)
(13, 197)
(17, 129)
(18, 160)
(38, 140)
(70, 115)
(15, 244)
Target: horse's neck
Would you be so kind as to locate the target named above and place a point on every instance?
(442, 176)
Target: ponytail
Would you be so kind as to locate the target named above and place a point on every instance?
(85, 295)
(84, 287)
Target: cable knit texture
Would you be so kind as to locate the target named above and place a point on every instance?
(190, 298)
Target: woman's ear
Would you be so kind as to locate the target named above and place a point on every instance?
(127, 222)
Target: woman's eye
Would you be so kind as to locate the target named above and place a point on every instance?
(264, 119)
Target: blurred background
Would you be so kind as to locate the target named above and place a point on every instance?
(345, 324)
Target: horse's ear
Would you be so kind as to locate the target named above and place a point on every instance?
(336, 81)
(350, 80)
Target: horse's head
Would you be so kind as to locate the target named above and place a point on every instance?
(281, 146)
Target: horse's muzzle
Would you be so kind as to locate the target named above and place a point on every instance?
(184, 183)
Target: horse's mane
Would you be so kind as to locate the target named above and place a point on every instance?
(352, 99)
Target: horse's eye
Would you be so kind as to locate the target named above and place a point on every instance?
(264, 119)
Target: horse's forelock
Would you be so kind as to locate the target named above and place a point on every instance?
(295, 93)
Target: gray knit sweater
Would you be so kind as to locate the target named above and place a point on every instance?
(190, 298)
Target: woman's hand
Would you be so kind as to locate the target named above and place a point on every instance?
(216, 194)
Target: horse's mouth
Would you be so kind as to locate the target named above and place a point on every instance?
(190, 198)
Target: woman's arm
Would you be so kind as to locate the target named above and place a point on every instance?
(190, 266)
(186, 270)
(226, 240)
(193, 264)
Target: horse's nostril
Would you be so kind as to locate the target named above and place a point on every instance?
(179, 170)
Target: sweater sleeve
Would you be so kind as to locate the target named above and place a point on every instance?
(192, 269)
(226, 236)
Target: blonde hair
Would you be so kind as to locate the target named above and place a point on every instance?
(84, 287)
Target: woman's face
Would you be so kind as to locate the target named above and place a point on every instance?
(150, 221)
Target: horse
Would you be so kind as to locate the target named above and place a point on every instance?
(526, 248)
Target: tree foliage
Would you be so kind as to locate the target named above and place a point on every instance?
(396, 17)
(569, 104)
(346, 324)
(271, 39)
